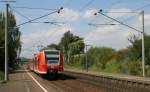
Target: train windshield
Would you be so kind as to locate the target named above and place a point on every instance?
(52, 57)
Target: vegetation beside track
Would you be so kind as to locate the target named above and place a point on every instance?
(104, 59)
(116, 68)
(14, 43)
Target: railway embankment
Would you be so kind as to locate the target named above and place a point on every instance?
(113, 82)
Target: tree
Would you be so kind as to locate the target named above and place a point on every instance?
(122, 55)
(2, 41)
(100, 56)
(135, 50)
(14, 43)
(71, 44)
(53, 46)
(76, 47)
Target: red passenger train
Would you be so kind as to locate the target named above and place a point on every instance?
(47, 62)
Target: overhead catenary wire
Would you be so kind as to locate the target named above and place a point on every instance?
(118, 21)
(147, 5)
(45, 22)
(57, 11)
(134, 11)
(117, 2)
(114, 3)
(19, 13)
(120, 12)
(48, 22)
(33, 8)
(131, 12)
(87, 4)
(137, 9)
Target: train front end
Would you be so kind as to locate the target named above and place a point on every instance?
(54, 61)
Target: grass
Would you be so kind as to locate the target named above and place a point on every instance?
(116, 68)
(73, 66)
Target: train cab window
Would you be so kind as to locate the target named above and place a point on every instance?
(52, 57)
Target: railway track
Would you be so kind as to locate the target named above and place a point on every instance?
(67, 83)
(79, 81)
(113, 83)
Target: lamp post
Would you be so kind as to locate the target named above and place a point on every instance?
(142, 33)
(6, 43)
(143, 46)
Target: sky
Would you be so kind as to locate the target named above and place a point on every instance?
(76, 17)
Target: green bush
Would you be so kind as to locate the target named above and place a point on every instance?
(148, 72)
(115, 67)
(100, 56)
(134, 67)
(77, 61)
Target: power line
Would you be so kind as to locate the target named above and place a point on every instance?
(147, 5)
(119, 12)
(19, 13)
(114, 3)
(6, 1)
(47, 22)
(67, 3)
(92, 24)
(100, 12)
(87, 4)
(57, 11)
(132, 12)
(33, 8)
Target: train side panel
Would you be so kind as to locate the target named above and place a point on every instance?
(61, 68)
(42, 63)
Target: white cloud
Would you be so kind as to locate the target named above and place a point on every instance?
(41, 38)
(90, 13)
(138, 22)
(18, 18)
(67, 14)
(147, 23)
(112, 36)
(119, 15)
(146, 19)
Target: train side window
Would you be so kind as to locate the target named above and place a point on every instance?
(36, 61)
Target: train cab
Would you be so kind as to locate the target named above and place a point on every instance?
(48, 61)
